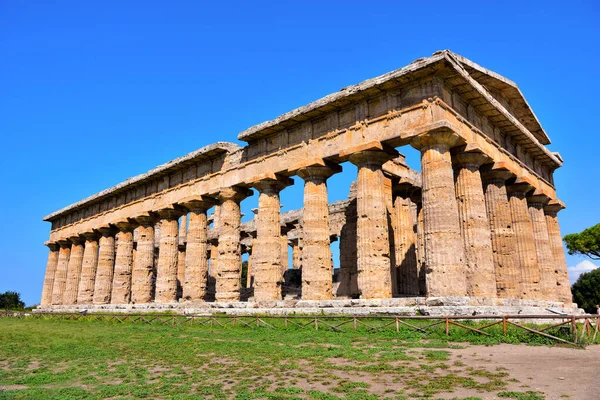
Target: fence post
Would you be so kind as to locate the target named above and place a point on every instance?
(447, 327)
(504, 325)
(574, 328)
(355, 323)
(397, 325)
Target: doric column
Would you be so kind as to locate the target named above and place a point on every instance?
(166, 274)
(418, 216)
(563, 285)
(142, 289)
(372, 231)
(296, 254)
(266, 254)
(317, 275)
(60, 276)
(542, 247)
(229, 269)
(284, 253)
(444, 247)
(196, 261)
(474, 225)
(181, 249)
(85, 292)
(405, 241)
(506, 261)
(73, 271)
(106, 265)
(121, 287)
(50, 271)
(526, 253)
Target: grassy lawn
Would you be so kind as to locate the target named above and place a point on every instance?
(50, 359)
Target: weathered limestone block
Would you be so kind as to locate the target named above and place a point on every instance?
(544, 254)
(444, 247)
(50, 271)
(121, 287)
(474, 225)
(73, 271)
(106, 265)
(142, 278)
(521, 220)
(196, 261)
(506, 261)
(266, 254)
(316, 252)
(85, 292)
(372, 230)
(60, 276)
(166, 274)
(563, 286)
(405, 242)
(229, 270)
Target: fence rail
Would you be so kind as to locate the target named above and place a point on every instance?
(580, 327)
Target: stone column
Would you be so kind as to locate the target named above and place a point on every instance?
(85, 292)
(563, 285)
(526, 253)
(266, 254)
(51, 264)
(405, 242)
(348, 287)
(372, 231)
(121, 287)
(196, 261)
(166, 274)
(142, 289)
(504, 246)
(474, 225)
(229, 270)
(73, 271)
(60, 276)
(418, 216)
(296, 254)
(106, 265)
(541, 239)
(181, 255)
(284, 254)
(317, 279)
(444, 247)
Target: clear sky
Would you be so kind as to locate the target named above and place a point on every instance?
(92, 93)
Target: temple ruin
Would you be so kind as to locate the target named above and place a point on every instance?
(477, 227)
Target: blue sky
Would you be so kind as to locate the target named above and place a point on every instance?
(92, 93)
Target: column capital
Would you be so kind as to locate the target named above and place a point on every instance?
(554, 207)
(53, 246)
(91, 235)
(496, 175)
(317, 172)
(446, 138)
(236, 193)
(64, 243)
(403, 189)
(373, 157)
(126, 225)
(107, 230)
(171, 212)
(75, 239)
(146, 219)
(538, 199)
(271, 183)
(472, 159)
(521, 188)
(198, 203)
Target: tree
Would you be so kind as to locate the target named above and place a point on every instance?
(11, 301)
(586, 291)
(586, 243)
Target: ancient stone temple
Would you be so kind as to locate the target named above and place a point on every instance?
(477, 227)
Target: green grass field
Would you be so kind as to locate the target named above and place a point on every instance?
(50, 359)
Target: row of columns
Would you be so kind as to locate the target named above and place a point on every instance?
(470, 235)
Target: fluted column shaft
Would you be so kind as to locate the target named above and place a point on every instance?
(374, 277)
(266, 254)
(348, 286)
(563, 285)
(229, 270)
(296, 255)
(444, 247)
(317, 280)
(121, 287)
(89, 265)
(166, 275)
(73, 271)
(60, 276)
(142, 289)
(51, 264)
(474, 225)
(196, 261)
(542, 246)
(506, 261)
(405, 241)
(526, 253)
(106, 264)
